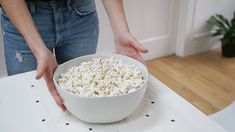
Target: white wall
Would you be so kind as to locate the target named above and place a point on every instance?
(196, 33)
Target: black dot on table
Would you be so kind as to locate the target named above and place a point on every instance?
(37, 101)
(147, 115)
(90, 129)
(43, 120)
(152, 102)
(32, 85)
(67, 123)
(172, 120)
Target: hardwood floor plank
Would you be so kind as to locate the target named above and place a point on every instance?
(206, 80)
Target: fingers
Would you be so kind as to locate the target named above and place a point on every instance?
(58, 100)
(139, 58)
(51, 87)
(40, 71)
(134, 54)
(138, 46)
(63, 108)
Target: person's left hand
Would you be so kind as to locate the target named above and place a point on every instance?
(126, 44)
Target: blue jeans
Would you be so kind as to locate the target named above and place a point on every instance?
(68, 29)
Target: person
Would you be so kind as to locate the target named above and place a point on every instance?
(40, 34)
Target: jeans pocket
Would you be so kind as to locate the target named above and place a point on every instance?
(83, 7)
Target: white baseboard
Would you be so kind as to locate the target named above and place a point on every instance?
(158, 47)
(201, 45)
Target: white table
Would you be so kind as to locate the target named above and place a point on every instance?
(26, 106)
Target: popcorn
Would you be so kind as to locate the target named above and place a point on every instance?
(102, 77)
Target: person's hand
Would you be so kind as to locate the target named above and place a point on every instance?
(46, 67)
(126, 44)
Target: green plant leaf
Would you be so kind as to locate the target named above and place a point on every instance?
(218, 32)
(215, 22)
(233, 33)
(224, 27)
(223, 19)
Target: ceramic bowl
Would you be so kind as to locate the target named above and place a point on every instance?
(101, 109)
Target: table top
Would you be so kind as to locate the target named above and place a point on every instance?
(27, 106)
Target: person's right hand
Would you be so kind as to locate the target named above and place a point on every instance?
(46, 65)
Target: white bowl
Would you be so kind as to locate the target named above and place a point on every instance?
(101, 109)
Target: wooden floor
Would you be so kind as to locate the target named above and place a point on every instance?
(206, 80)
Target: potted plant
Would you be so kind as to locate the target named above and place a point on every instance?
(226, 29)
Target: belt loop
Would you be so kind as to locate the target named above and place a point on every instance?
(32, 5)
(69, 5)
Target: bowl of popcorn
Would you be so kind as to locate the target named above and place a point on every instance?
(101, 88)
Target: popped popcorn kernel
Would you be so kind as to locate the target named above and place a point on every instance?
(102, 77)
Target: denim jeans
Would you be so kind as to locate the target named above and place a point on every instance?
(70, 29)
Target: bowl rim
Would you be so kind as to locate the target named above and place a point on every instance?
(100, 97)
